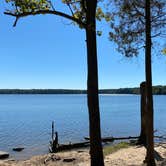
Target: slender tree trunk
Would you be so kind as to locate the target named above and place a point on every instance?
(92, 87)
(142, 137)
(150, 142)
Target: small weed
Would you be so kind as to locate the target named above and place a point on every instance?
(113, 148)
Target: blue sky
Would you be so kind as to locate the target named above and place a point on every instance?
(50, 52)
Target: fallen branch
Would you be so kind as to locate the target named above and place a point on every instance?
(62, 147)
(111, 139)
(161, 137)
(70, 146)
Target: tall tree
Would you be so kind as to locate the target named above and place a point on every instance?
(137, 23)
(83, 13)
(148, 70)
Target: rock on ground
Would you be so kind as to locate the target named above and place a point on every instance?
(4, 155)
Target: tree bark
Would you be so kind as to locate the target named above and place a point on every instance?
(92, 86)
(142, 137)
(150, 142)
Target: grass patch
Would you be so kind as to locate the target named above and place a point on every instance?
(113, 148)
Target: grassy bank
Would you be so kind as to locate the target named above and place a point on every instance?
(113, 148)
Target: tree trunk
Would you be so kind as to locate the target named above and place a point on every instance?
(150, 142)
(92, 87)
(142, 137)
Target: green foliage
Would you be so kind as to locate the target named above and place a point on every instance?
(107, 16)
(99, 33)
(22, 6)
(164, 51)
(114, 148)
(77, 8)
(128, 24)
(99, 14)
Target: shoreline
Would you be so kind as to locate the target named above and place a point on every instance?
(132, 155)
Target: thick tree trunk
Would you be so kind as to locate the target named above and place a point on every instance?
(92, 87)
(150, 142)
(142, 137)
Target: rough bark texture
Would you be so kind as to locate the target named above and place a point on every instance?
(142, 137)
(92, 87)
(150, 142)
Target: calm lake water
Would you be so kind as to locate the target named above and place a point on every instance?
(25, 120)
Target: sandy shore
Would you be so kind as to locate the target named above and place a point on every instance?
(132, 156)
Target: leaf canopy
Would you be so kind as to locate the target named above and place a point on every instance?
(128, 24)
(77, 8)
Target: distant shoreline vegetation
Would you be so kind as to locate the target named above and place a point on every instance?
(158, 90)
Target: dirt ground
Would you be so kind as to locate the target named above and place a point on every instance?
(131, 156)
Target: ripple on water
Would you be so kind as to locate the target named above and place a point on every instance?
(25, 120)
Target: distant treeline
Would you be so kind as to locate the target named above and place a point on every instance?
(156, 90)
(41, 91)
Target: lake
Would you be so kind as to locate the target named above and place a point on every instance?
(25, 120)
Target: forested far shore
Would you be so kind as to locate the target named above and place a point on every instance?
(157, 90)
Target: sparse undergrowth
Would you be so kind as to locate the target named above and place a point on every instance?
(113, 148)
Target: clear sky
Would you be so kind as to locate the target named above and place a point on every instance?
(50, 52)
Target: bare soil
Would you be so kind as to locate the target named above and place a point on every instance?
(132, 156)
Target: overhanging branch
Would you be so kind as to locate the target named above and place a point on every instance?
(53, 12)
